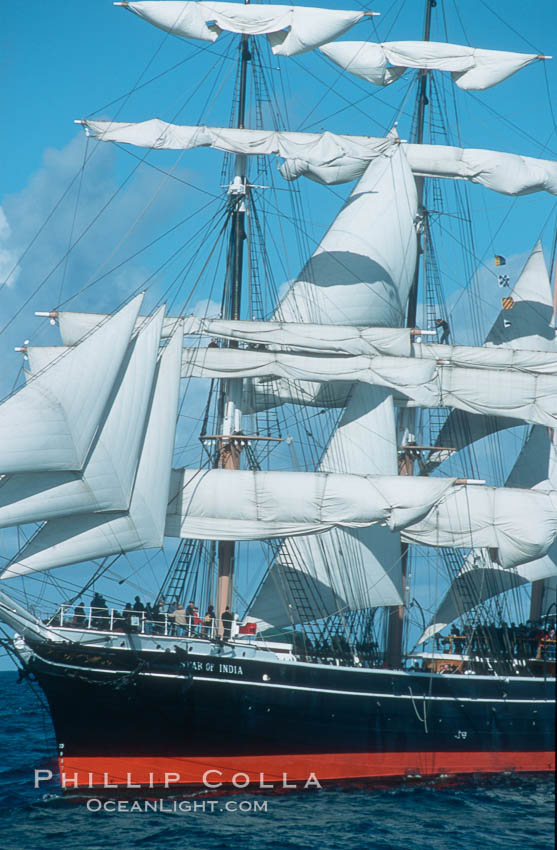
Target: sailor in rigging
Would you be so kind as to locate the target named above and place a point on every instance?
(443, 326)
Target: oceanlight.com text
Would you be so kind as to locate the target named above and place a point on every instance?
(174, 806)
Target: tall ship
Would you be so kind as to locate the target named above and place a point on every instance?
(280, 522)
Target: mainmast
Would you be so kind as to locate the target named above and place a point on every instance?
(406, 458)
(229, 449)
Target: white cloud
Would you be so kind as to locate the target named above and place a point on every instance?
(9, 268)
(118, 217)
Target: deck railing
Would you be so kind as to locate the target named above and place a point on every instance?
(138, 622)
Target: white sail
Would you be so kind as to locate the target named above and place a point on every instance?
(79, 538)
(332, 339)
(291, 29)
(222, 504)
(363, 268)
(50, 423)
(507, 173)
(314, 364)
(343, 568)
(525, 393)
(471, 67)
(527, 326)
(74, 326)
(106, 482)
(321, 148)
(520, 525)
(332, 159)
(361, 272)
(480, 578)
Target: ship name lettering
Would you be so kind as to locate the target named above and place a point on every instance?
(209, 667)
(236, 669)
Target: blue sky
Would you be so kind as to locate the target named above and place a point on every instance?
(62, 61)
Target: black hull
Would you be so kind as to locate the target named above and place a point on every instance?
(133, 716)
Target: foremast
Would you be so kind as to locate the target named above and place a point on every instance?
(229, 449)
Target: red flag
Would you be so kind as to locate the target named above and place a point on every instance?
(248, 629)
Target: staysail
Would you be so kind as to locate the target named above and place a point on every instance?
(50, 423)
(106, 481)
(68, 540)
(361, 271)
(526, 326)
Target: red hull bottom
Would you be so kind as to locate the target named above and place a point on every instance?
(287, 771)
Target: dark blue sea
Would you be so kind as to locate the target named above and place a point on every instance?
(504, 813)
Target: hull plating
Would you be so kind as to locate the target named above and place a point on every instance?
(124, 717)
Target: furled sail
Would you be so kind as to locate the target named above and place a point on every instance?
(480, 578)
(471, 68)
(68, 540)
(291, 29)
(106, 481)
(508, 521)
(222, 504)
(527, 326)
(333, 339)
(331, 159)
(524, 392)
(50, 423)
(343, 568)
(240, 505)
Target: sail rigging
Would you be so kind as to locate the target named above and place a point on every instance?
(331, 345)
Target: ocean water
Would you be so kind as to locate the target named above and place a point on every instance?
(507, 812)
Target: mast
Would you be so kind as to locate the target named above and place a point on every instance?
(395, 623)
(422, 102)
(229, 449)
